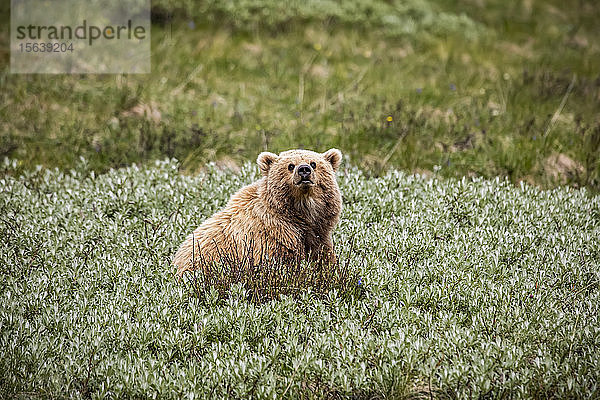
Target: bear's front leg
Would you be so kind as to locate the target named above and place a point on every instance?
(322, 252)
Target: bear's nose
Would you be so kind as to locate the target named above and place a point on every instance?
(304, 171)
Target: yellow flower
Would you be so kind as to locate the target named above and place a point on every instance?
(389, 119)
(317, 46)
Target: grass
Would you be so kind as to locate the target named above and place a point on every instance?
(264, 280)
(459, 87)
(472, 282)
(472, 288)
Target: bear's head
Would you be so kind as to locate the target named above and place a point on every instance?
(299, 176)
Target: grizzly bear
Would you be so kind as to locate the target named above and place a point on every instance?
(288, 214)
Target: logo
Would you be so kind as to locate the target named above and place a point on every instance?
(73, 36)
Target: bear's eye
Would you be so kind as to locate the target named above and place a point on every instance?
(313, 165)
(291, 167)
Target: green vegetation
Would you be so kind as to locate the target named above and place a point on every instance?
(471, 288)
(474, 88)
(266, 280)
(452, 285)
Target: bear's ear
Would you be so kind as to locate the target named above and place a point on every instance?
(265, 160)
(334, 156)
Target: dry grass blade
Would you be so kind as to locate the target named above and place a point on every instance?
(267, 279)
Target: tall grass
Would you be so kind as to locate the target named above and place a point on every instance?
(270, 279)
(505, 90)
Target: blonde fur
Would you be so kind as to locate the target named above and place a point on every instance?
(276, 216)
